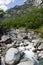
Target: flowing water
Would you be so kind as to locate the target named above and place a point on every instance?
(40, 62)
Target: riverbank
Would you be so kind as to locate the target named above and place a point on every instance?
(28, 43)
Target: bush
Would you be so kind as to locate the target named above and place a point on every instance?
(30, 20)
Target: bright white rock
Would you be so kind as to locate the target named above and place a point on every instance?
(35, 41)
(12, 56)
(2, 61)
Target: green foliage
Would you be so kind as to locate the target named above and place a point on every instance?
(40, 29)
(1, 13)
(32, 19)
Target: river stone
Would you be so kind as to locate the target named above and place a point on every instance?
(22, 35)
(41, 46)
(4, 38)
(26, 42)
(35, 41)
(11, 45)
(26, 63)
(29, 36)
(2, 60)
(12, 56)
(21, 49)
(40, 55)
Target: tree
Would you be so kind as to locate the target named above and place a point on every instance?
(1, 13)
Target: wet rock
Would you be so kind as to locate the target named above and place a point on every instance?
(12, 34)
(41, 46)
(2, 60)
(21, 48)
(12, 56)
(40, 55)
(22, 43)
(17, 45)
(29, 54)
(26, 63)
(27, 42)
(36, 43)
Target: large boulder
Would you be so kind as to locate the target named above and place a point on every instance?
(12, 56)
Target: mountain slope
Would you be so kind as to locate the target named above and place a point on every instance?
(26, 16)
(17, 11)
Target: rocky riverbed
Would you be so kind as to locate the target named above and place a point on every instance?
(20, 47)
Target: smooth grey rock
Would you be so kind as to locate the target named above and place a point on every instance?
(2, 60)
(21, 35)
(36, 42)
(4, 38)
(29, 36)
(41, 46)
(12, 56)
(40, 55)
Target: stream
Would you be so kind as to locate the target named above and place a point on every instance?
(29, 54)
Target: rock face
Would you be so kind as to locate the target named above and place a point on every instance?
(19, 10)
(37, 2)
(12, 56)
(33, 2)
